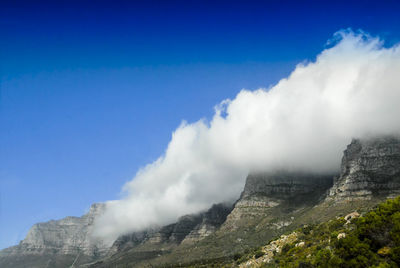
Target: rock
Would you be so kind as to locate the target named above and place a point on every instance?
(370, 168)
(341, 235)
(267, 190)
(274, 246)
(351, 216)
(211, 221)
(285, 185)
(69, 235)
(188, 229)
(67, 239)
(281, 224)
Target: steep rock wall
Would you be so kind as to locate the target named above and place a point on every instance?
(370, 168)
(57, 243)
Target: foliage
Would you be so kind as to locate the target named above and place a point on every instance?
(372, 240)
(258, 253)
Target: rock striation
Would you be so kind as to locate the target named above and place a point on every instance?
(138, 248)
(187, 229)
(68, 239)
(264, 191)
(211, 220)
(286, 186)
(370, 168)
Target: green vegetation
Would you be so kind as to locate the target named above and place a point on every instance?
(369, 241)
(372, 240)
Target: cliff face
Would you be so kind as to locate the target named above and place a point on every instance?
(66, 236)
(211, 220)
(139, 248)
(370, 168)
(286, 190)
(57, 241)
(188, 229)
(285, 186)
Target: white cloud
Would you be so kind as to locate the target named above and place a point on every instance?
(302, 123)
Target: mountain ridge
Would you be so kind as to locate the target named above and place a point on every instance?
(271, 203)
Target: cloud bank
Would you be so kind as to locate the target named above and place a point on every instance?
(302, 123)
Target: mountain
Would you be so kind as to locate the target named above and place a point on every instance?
(288, 191)
(370, 168)
(272, 203)
(154, 243)
(58, 243)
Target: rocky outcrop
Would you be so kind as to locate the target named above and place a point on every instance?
(138, 248)
(187, 229)
(68, 239)
(283, 185)
(264, 191)
(370, 168)
(271, 249)
(172, 233)
(211, 220)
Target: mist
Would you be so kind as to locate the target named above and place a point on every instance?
(303, 123)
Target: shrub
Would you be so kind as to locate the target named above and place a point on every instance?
(259, 253)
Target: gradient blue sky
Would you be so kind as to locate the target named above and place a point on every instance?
(91, 91)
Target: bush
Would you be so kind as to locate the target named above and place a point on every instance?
(259, 253)
(286, 248)
(371, 241)
(237, 256)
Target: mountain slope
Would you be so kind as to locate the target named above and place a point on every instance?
(271, 204)
(372, 240)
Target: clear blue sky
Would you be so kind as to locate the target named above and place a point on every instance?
(90, 92)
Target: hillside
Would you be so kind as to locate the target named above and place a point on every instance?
(371, 240)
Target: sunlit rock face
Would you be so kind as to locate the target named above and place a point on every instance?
(69, 235)
(370, 168)
(57, 243)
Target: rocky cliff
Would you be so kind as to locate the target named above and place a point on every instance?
(57, 242)
(188, 229)
(139, 248)
(370, 168)
(288, 190)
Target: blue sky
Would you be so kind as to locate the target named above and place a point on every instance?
(92, 92)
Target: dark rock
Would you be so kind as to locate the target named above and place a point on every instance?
(187, 229)
(285, 186)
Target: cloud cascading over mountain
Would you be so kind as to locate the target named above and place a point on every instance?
(302, 123)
